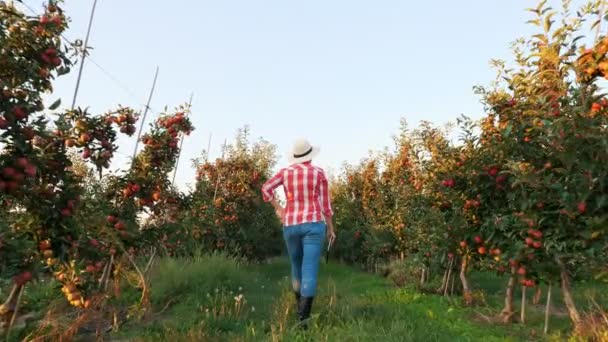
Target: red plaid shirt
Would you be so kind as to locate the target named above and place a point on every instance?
(306, 191)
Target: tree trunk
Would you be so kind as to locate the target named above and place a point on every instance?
(575, 317)
(537, 295)
(466, 290)
(452, 290)
(8, 310)
(422, 276)
(547, 310)
(523, 305)
(445, 291)
(444, 282)
(507, 313)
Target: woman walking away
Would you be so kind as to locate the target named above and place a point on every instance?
(307, 218)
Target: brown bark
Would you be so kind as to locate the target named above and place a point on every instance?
(575, 316)
(452, 289)
(445, 291)
(466, 290)
(8, 310)
(547, 310)
(422, 276)
(523, 304)
(537, 295)
(444, 282)
(507, 313)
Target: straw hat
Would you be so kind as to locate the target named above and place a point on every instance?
(302, 152)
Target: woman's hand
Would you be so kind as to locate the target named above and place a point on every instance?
(331, 234)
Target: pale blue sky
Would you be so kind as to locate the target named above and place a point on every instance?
(340, 72)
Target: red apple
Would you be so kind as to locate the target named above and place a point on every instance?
(84, 138)
(86, 153)
(44, 245)
(9, 172)
(127, 192)
(106, 155)
(582, 207)
(30, 171)
(537, 244)
(111, 219)
(521, 271)
(23, 278)
(19, 177)
(119, 226)
(478, 239)
(20, 113)
(22, 162)
(12, 186)
(66, 212)
(481, 250)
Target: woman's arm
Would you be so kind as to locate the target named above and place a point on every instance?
(268, 193)
(326, 207)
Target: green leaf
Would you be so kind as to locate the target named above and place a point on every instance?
(55, 104)
(541, 37)
(546, 10)
(532, 10)
(548, 21)
(508, 130)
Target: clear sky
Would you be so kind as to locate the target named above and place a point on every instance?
(339, 72)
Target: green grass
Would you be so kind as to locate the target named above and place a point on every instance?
(198, 300)
(351, 306)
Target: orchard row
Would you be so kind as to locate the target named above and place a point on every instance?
(525, 190)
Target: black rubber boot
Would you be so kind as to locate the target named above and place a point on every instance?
(305, 305)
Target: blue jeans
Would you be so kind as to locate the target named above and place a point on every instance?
(304, 243)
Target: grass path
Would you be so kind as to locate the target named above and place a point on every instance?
(351, 306)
